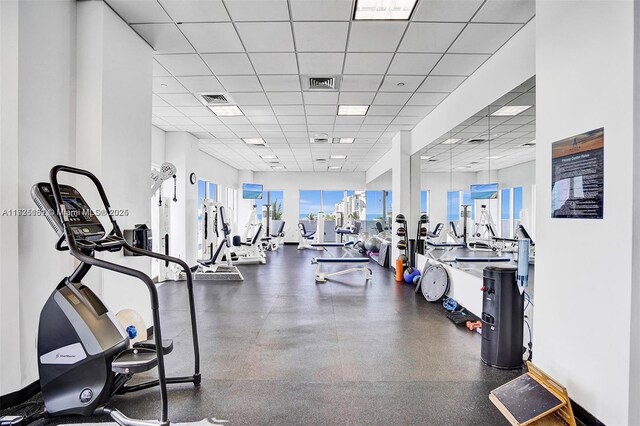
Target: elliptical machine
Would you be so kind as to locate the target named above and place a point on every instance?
(84, 356)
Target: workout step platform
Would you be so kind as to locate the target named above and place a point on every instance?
(134, 360)
(167, 345)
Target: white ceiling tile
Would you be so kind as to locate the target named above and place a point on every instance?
(321, 119)
(401, 83)
(195, 10)
(219, 127)
(201, 84)
(458, 64)
(292, 119)
(427, 98)
(484, 38)
(429, 37)
(367, 63)
(140, 11)
(167, 85)
(322, 128)
(294, 127)
(349, 120)
(233, 122)
(288, 109)
(263, 119)
(285, 98)
(157, 101)
(166, 112)
(518, 11)
(379, 120)
(321, 36)
(320, 10)
(181, 99)
(257, 111)
(196, 111)
(391, 98)
(373, 127)
(229, 63)
(159, 71)
(413, 63)
(274, 63)
(380, 36)
(256, 98)
(240, 83)
(361, 83)
(321, 98)
(441, 84)
(258, 10)
(210, 120)
(356, 98)
(280, 83)
(266, 36)
(163, 38)
(446, 10)
(347, 127)
(416, 111)
(391, 110)
(212, 37)
(320, 63)
(321, 109)
(266, 127)
(179, 121)
(183, 64)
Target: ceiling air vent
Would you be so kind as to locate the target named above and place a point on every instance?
(322, 83)
(528, 144)
(329, 83)
(475, 141)
(214, 98)
(320, 140)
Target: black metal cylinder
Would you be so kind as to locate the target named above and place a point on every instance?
(502, 318)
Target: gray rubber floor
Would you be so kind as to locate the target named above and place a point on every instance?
(277, 349)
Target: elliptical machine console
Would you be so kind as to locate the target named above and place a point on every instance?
(84, 356)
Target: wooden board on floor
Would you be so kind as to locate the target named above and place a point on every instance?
(533, 399)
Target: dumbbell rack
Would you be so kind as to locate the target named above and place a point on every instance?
(403, 244)
(421, 233)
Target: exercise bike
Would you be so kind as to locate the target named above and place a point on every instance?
(84, 354)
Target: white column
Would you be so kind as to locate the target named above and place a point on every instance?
(113, 130)
(585, 80)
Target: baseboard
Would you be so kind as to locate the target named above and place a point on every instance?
(20, 396)
(583, 416)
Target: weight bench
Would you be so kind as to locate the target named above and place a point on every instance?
(322, 276)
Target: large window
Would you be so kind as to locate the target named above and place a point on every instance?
(310, 205)
(424, 202)
(453, 206)
(274, 199)
(517, 205)
(205, 190)
(505, 213)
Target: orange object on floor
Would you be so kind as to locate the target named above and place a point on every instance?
(399, 269)
(473, 325)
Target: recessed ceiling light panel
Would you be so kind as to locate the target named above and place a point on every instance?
(226, 110)
(335, 167)
(268, 157)
(451, 141)
(353, 109)
(253, 141)
(337, 157)
(426, 157)
(511, 110)
(343, 140)
(384, 9)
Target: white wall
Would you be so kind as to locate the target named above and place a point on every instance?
(292, 182)
(585, 80)
(157, 146)
(181, 149)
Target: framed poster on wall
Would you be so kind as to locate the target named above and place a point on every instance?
(577, 176)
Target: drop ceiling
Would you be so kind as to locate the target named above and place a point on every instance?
(508, 140)
(256, 52)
